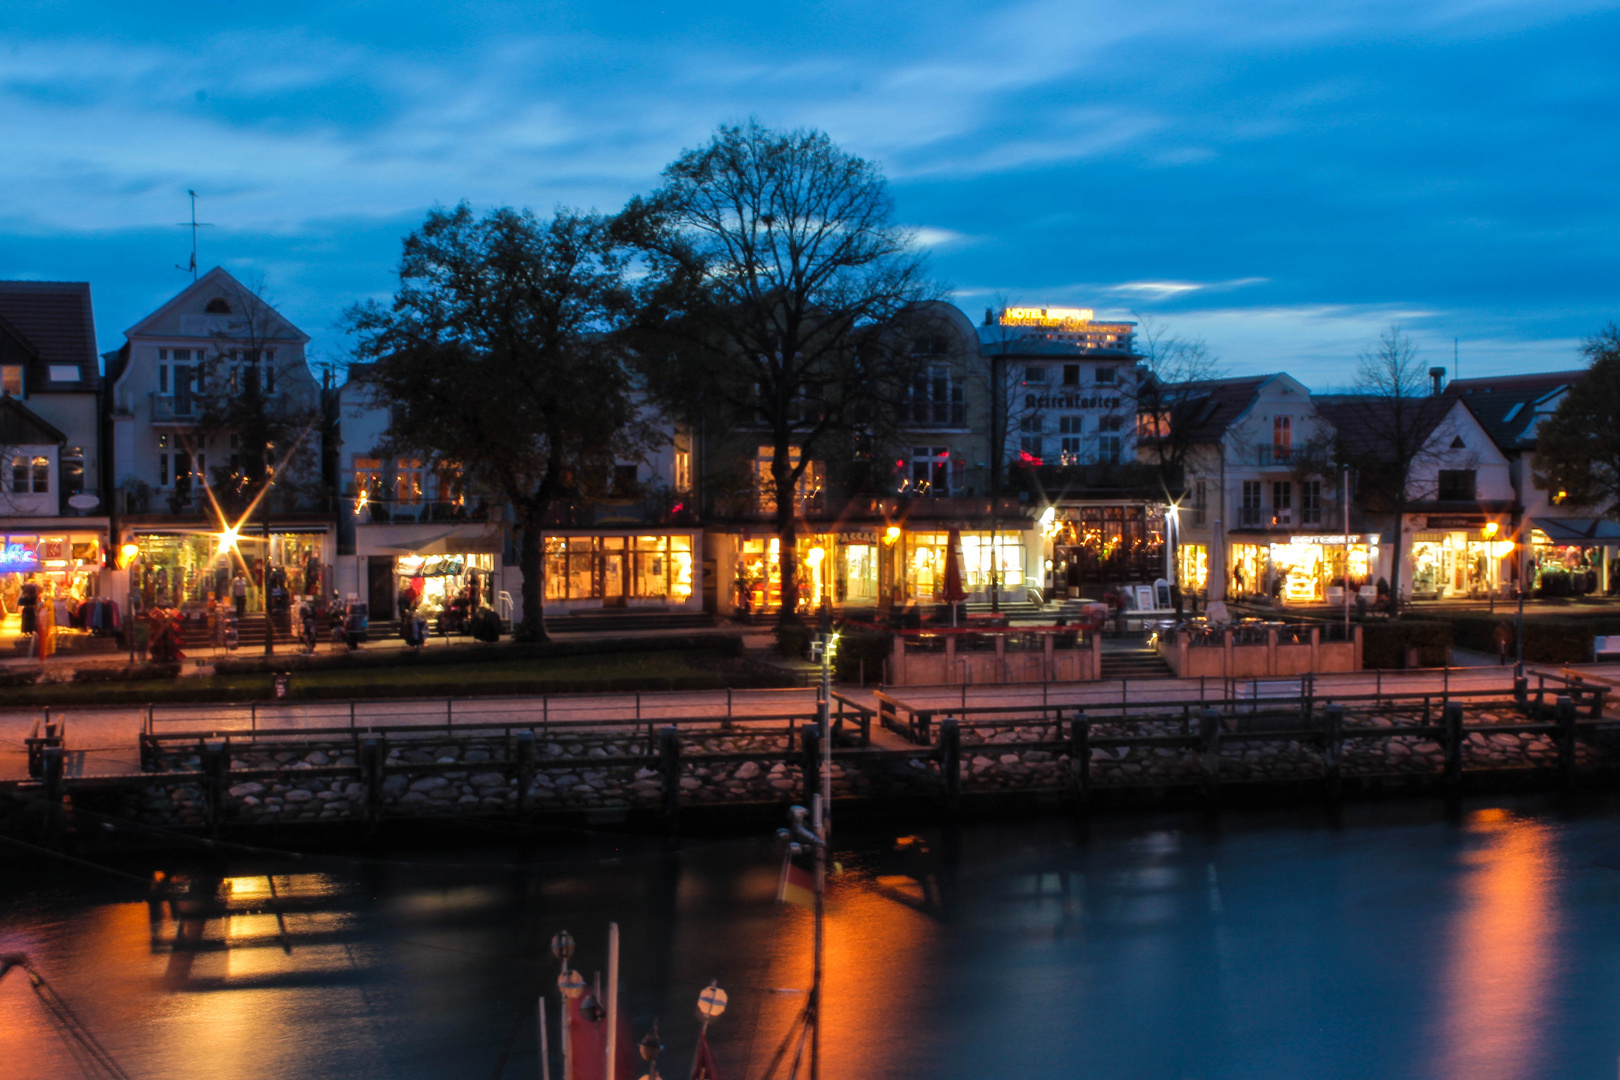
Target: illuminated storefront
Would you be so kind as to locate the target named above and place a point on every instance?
(1561, 568)
(434, 582)
(1306, 566)
(1107, 545)
(187, 569)
(1192, 566)
(619, 569)
(1251, 570)
(67, 565)
(926, 552)
(1456, 563)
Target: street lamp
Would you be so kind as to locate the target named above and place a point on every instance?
(650, 1046)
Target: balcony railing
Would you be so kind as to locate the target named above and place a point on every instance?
(166, 409)
(387, 511)
(1273, 454)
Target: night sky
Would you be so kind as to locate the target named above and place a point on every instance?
(1284, 180)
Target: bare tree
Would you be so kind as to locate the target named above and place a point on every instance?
(776, 272)
(1386, 430)
(1169, 390)
(1578, 447)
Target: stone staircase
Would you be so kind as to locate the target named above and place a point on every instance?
(1135, 663)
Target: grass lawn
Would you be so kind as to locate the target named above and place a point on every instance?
(672, 670)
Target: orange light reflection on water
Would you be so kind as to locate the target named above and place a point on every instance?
(1501, 961)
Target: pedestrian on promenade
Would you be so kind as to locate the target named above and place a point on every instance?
(239, 593)
(1502, 636)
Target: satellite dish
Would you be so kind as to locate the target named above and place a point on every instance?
(84, 501)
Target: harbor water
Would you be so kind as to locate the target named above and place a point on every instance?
(1387, 940)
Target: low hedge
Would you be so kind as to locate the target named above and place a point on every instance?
(1546, 640)
(21, 676)
(1384, 644)
(126, 673)
(861, 654)
(724, 644)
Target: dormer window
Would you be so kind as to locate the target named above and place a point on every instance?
(11, 380)
(64, 373)
(217, 306)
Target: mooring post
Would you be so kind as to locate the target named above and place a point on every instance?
(1565, 711)
(1333, 748)
(923, 727)
(1521, 691)
(1452, 717)
(51, 772)
(373, 752)
(1597, 701)
(669, 765)
(950, 760)
(810, 761)
(1080, 759)
(216, 770)
(523, 752)
(1209, 734)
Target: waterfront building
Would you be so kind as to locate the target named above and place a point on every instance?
(1571, 549)
(193, 383)
(53, 519)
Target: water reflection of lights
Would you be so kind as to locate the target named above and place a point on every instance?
(1501, 956)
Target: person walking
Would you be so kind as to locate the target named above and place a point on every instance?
(239, 594)
(1502, 637)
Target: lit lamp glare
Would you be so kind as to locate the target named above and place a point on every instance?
(126, 555)
(227, 539)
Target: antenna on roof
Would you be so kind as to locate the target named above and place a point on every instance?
(1455, 368)
(195, 225)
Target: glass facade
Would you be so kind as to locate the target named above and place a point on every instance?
(617, 569)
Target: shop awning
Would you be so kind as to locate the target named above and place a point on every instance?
(1582, 531)
(449, 542)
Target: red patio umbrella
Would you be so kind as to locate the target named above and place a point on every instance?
(954, 593)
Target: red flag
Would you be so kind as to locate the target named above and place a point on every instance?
(703, 1062)
(587, 1047)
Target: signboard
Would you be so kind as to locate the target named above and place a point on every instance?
(1336, 541)
(1069, 401)
(19, 553)
(83, 501)
(1455, 521)
(1052, 316)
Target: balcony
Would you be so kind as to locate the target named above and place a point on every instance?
(166, 410)
(388, 511)
(1272, 454)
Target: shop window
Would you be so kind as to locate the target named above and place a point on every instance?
(1282, 502)
(1456, 485)
(11, 380)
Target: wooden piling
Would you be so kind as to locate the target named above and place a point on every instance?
(523, 753)
(950, 761)
(216, 770)
(1564, 711)
(1209, 733)
(373, 752)
(669, 765)
(1080, 759)
(810, 761)
(1452, 719)
(1333, 749)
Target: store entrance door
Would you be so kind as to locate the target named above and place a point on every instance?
(613, 580)
(380, 586)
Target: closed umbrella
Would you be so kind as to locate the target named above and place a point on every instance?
(954, 593)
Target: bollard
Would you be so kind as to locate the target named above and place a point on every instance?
(669, 765)
(51, 772)
(1565, 716)
(1452, 718)
(1521, 692)
(1597, 701)
(1209, 734)
(810, 767)
(1333, 748)
(950, 761)
(216, 770)
(923, 728)
(373, 753)
(1080, 759)
(523, 752)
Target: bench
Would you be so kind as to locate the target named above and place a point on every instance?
(1606, 648)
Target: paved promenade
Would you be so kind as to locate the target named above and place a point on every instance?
(104, 740)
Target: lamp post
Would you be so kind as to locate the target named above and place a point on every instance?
(650, 1046)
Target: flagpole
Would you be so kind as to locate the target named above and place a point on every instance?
(612, 1001)
(821, 918)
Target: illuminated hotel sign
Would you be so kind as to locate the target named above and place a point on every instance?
(1045, 316)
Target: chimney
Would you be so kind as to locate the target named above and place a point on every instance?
(1437, 377)
(989, 316)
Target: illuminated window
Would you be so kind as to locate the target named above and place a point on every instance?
(30, 474)
(408, 481)
(683, 471)
(368, 477)
(11, 380)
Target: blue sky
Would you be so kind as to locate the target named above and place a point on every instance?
(1282, 179)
